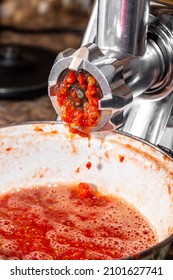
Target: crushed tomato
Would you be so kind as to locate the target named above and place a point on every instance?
(77, 96)
(70, 222)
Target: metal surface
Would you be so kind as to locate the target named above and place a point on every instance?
(125, 66)
(117, 19)
(147, 119)
(167, 138)
(91, 30)
(142, 73)
(148, 115)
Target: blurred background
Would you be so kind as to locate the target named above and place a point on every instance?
(32, 33)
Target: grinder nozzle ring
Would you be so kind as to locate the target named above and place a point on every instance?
(108, 74)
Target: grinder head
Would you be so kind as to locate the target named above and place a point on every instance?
(87, 89)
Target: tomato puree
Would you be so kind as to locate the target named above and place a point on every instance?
(70, 222)
(77, 95)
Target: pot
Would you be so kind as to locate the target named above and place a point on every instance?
(46, 153)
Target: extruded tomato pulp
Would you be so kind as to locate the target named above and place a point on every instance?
(70, 222)
(77, 96)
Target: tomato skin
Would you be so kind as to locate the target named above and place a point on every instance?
(84, 190)
(93, 90)
(91, 80)
(81, 79)
(71, 77)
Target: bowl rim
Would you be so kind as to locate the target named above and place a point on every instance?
(164, 151)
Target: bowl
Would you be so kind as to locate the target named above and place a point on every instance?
(45, 153)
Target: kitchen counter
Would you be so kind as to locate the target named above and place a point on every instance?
(40, 108)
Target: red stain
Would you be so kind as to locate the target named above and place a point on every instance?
(38, 129)
(54, 132)
(169, 189)
(78, 169)
(89, 164)
(106, 154)
(121, 158)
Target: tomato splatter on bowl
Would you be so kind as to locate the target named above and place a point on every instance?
(88, 165)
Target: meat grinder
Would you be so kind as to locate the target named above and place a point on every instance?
(128, 48)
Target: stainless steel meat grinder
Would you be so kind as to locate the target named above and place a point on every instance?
(128, 48)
